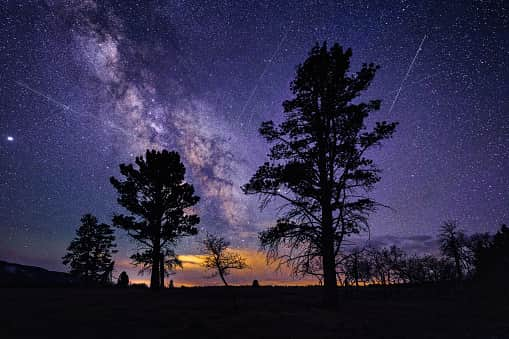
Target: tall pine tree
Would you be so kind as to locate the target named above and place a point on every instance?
(89, 254)
(159, 201)
(318, 166)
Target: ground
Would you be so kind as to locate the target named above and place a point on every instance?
(266, 312)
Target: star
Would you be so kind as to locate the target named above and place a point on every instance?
(205, 88)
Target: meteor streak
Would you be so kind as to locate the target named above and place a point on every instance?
(420, 81)
(255, 88)
(407, 74)
(47, 97)
(67, 107)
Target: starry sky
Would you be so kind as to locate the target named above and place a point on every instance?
(87, 85)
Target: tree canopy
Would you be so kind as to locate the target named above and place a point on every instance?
(453, 244)
(89, 254)
(159, 201)
(318, 166)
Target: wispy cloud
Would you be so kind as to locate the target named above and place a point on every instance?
(193, 274)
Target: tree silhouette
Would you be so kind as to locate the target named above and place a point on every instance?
(424, 269)
(395, 258)
(453, 244)
(220, 258)
(123, 280)
(357, 267)
(159, 201)
(491, 255)
(380, 262)
(318, 166)
(167, 265)
(89, 254)
(479, 245)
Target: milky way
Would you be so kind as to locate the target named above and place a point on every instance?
(86, 85)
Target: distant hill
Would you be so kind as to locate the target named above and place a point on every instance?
(16, 275)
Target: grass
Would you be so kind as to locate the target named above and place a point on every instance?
(244, 312)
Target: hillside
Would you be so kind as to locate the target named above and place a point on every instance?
(16, 275)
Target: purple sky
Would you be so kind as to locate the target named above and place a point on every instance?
(85, 86)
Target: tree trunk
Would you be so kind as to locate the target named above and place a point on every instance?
(356, 269)
(329, 261)
(154, 278)
(458, 268)
(221, 275)
(161, 269)
(326, 176)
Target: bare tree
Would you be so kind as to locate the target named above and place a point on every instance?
(453, 244)
(357, 267)
(220, 258)
(385, 263)
(380, 265)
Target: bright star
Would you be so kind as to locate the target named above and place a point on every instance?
(9, 138)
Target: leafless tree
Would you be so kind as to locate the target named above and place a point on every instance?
(220, 258)
(453, 244)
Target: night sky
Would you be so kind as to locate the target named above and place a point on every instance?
(87, 85)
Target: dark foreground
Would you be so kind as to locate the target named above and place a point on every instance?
(401, 312)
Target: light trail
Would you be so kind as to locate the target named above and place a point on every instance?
(69, 108)
(407, 74)
(257, 83)
(47, 97)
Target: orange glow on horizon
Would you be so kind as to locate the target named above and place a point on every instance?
(194, 274)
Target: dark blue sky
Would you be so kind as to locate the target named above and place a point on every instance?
(86, 85)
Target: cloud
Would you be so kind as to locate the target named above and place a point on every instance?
(418, 244)
(193, 274)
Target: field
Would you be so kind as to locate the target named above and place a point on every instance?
(244, 312)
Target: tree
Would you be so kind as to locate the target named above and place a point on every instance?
(89, 254)
(395, 257)
(220, 258)
(380, 262)
(318, 166)
(357, 267)
(159, 201)
(123, 280)
(167, 265)
(479, 245)
(453, 244)
(500, 254)
(491, 256)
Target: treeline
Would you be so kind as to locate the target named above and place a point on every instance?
(89, 256)
(479, 257)
(320, 173)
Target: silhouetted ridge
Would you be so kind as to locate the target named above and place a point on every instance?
(16, 275)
